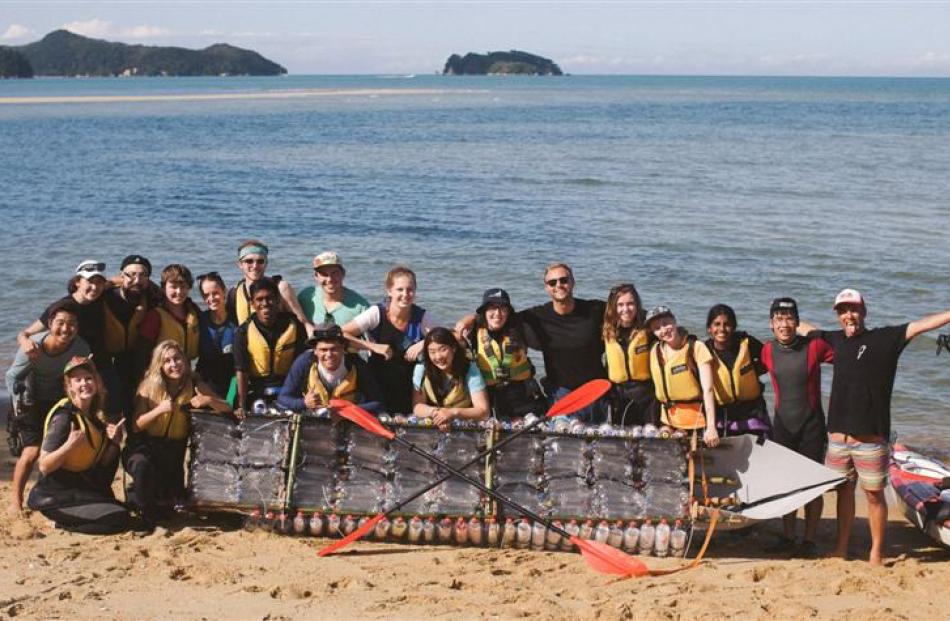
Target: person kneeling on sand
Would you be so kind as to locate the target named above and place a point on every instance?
(326, 372)
(859, 413)
(446, 385)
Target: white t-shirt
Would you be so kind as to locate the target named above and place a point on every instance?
(369, 319)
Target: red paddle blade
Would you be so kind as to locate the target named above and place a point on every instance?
(579, 398)
(356, 414)
(607, 559)
(360, 532)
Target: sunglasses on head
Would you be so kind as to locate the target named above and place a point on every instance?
(92, 267)
(214, 275)
(563, 280)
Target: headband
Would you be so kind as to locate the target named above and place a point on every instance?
(246, 250)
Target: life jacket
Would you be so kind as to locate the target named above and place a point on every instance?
(348, 389)
(385, 332)
(741, 382)
(507, 361)
(121, 337)
(185, 334)
(631, 363)
(677, 383)
(456, 397)
(242, 302)
(174, 425)
(267, 362)
(86, 454)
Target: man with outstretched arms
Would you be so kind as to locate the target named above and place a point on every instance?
(794, 365)
(326, 372)
(859, 414)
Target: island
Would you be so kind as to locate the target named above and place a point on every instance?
(500, 63)
(13, 64)
(63, 53)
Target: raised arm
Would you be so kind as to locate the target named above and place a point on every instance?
(289, 297)
(926, 324)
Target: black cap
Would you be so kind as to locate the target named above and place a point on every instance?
(326, 332)
(785, 305)
(494, 297)
(137, 259)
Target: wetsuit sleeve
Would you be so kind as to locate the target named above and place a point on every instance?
(240, 348)
(295, 384)
(825, 353)
(60, 425)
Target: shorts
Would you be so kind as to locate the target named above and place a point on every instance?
(30, 425)
(867, 460)
(810, 440)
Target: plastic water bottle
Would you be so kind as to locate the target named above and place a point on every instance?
(601, 532)
(382, 529)
(348, 525)
(636, 432)
(509, 533)
(333, 525)
(475, 534)
(554, 538)
(398, 528)
(444, 530)
(300, 524)
(650, 431)
(268, 522)
(615, 536)
(428, 530)
(492, 532)
(316, 524)
(678, 539)
(461, 531)
(415, 529)
(538, 536)
(253, 521)
(362, 521)
(662, 544)
(260, 407)
(587, 530)
(573, 529)
(666, 432)
(647, 537)
(631, 536)
(523, 538)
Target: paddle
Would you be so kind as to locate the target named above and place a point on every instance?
(580, 397)
(600, 557)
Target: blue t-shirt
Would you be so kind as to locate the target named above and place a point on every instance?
(474, 381)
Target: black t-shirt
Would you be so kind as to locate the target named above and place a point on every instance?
(865, 366)
(91, 322)
(242, 360)
(572, 343)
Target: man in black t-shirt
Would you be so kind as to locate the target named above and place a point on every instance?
(859, 413)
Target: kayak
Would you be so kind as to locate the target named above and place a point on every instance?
(920, 486)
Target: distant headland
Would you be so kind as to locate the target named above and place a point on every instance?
(500, 63)
(63, 53)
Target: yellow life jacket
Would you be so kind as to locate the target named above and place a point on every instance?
(86, 454)
(174, 425)
(741, 382)
(630, 364)
(121, 337)
(186, 335)
(242, 303)
(348, 389)
(676, 380)
(500, 363)
(458, 396)
(264, 361)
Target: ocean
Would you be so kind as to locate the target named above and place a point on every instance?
(698, 189)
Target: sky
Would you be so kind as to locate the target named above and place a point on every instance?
(845, 38)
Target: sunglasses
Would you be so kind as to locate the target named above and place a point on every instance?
(91, 267)
(563, 280)
(254, 261)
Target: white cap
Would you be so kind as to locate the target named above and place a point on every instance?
(849, 296)
(90, 268)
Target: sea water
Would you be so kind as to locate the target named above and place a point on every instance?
(699, 190)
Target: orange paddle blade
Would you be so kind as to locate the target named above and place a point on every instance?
(356, 534)
(579, 398)
(607, 559)
(356, 414)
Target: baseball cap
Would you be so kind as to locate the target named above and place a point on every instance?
(849, 296)
(89, 268)
(784, 305)
(326, 332)
(658, 311)
(78, 361)
(325, 259)
(137, 259)
(494, 297)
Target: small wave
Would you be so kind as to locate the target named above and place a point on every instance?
(589, 182)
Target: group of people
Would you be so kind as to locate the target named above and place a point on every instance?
(107, 374)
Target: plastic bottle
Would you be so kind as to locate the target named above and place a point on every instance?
(647, 538)
(382, 529)
(538, 536)
(428, 530)
(615, 535)
(253, 521)
(348, 525)
(300, 524)
(316, 524)
(444, 530)
(415, 529)
(636, 432)
(523, 538)
(587, 530)
(677, 539)
(461, 531)
(260, 407)
(492, 532)
(362, 522)
(553, 540)
(662, 544)
(509, 533)
(268, 522)
(475, 533)
(649, 431)
(333, 525)
(601, 532)
(573, 529)
(398, 528)
(631, 536)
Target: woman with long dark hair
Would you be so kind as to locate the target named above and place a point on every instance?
(446, 385)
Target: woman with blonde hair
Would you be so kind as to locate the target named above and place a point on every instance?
(160, 427)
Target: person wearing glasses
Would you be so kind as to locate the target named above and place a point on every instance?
(329, 301)
(327, 372)
(252, 261)
(216, 331)
(176, 316)
(627, 355)
(446, 386)
(265, 347)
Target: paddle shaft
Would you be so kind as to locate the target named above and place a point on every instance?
(481, 486)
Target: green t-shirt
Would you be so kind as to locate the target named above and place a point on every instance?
(311, 301)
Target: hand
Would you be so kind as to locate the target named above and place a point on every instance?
(444, 427)
(386, 351)
(312, 400)
(165, 406)
(75, 437)
(239, 414)
(412, 354)
(30, 348)
(442, 417)
(116, 431)
(711, 437)
(462, 329)
(310, 328)
(201, 401)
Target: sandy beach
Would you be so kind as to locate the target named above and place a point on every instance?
(210, 568)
